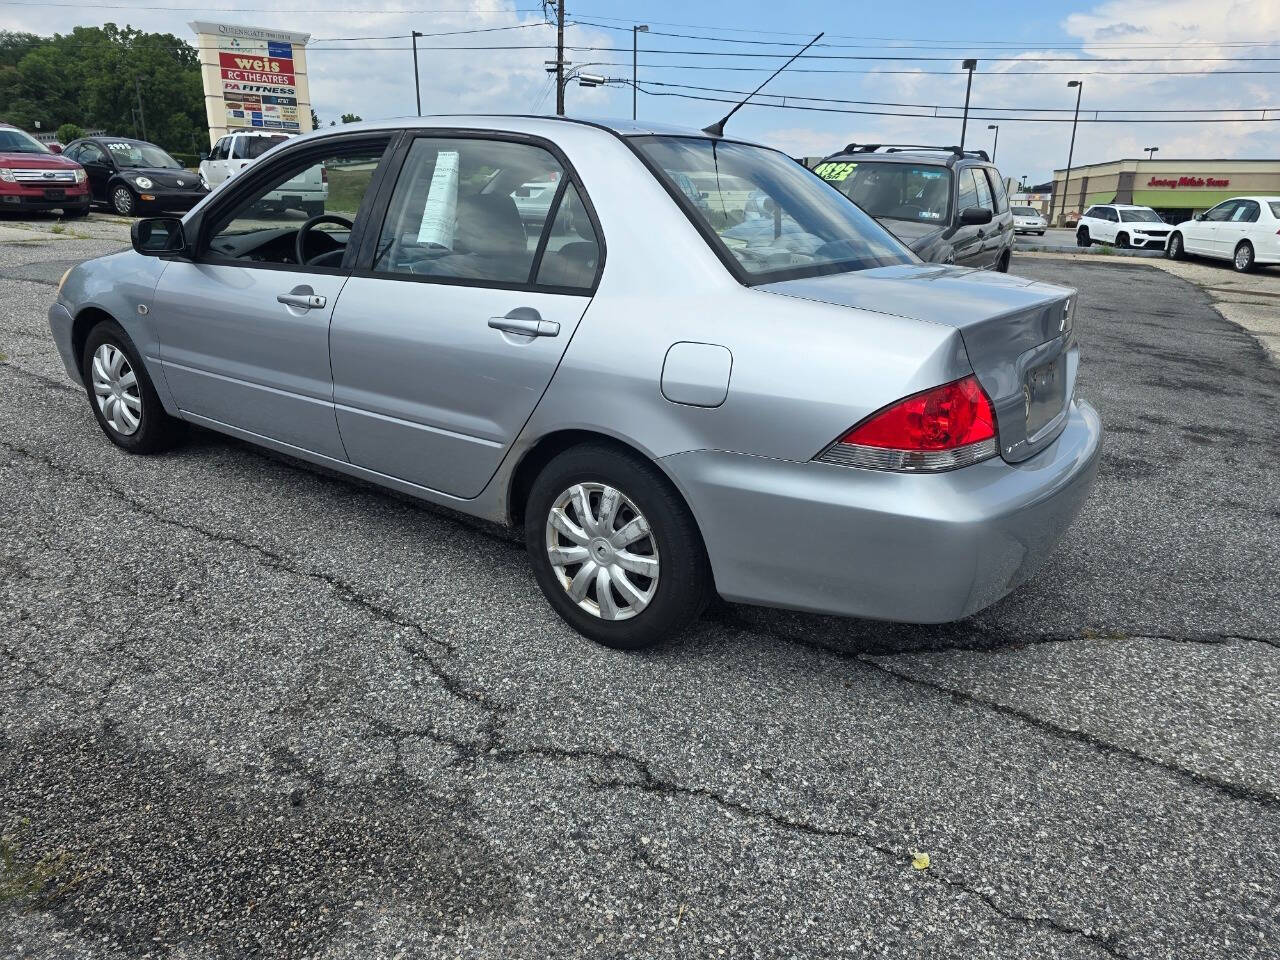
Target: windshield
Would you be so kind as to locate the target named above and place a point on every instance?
(15, 141)
(1025, 212)
(896, 191)
(127, 153)
(1140, 216)
(772, 218)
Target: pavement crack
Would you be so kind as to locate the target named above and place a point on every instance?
(1233, 790)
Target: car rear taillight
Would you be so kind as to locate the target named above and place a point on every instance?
(942, 428)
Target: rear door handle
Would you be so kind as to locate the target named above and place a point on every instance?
(306, 301)
(521, 323)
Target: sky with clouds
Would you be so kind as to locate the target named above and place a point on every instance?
(1026, 53)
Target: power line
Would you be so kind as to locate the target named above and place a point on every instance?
(943, 116)
(972, 109)
(949, 73)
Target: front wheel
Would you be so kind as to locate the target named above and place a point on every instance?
(123, 398)
(1243, 260)
(1082, 237)
(124, 201)
(1002, 265)
(615, 549)
(1175, 250)
(1122, 241)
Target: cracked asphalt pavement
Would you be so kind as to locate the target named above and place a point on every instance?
(250, 709)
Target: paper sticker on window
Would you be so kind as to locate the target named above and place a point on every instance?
(440, 212)
(835, 170)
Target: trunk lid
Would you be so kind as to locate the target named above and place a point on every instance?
(1018, 334)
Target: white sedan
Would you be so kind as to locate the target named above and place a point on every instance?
(1028, 220)
(1244, 230)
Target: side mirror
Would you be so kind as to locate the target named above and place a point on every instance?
(1198, 216)
(204, 156)
(975, 216)
(55, 147)
(159, 237)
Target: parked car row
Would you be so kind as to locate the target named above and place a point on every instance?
(691, 367)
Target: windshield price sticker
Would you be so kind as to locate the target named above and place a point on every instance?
(835, 170)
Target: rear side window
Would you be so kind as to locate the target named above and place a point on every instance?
(1275, 208)
(477, 209)
(1109, 213)
(1246, 212)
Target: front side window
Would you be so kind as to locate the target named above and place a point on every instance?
(15, 141)
(475, 209)
(1222, 211)
(263, 226)
(1110, 214)
(984, 189)
(131, 154)
(896, 191)
(766, 214)
(1140, 216)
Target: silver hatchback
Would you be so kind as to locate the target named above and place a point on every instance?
(751, 389)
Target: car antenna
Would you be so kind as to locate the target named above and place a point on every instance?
(717, 128)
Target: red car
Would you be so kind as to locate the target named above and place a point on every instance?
(33, 177)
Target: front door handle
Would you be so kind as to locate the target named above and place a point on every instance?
(525, 322)
(305, 301)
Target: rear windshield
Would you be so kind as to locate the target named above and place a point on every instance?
(895, 191)
(1140, 216)
(767, 215)
(15, 141)
(1026, 212)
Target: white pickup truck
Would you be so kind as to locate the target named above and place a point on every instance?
(306, 192)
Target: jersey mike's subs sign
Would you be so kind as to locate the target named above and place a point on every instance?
(1173, 183)
(253, 78)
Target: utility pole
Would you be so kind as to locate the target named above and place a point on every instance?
(416, 88)
(559, 58)
(996, 142)
(969, 65)
(636, 30)
(142, 120)
(1066, 183)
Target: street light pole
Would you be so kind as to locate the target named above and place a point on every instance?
(635, 33)
(1066, 183)
(416, 88)
(969, 65)
(996, 142)
(1151, 151)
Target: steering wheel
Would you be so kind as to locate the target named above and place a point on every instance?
(300, 242)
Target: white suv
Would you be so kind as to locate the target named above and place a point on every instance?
(1122, 224)
(306, 192)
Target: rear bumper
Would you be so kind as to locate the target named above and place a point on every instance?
(914, 548)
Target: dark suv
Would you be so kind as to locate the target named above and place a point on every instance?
(948, 205)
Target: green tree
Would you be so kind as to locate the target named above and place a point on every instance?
(351, 118)
(315, 119)
(68, 132)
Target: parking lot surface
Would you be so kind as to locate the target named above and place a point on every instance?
(251, 709)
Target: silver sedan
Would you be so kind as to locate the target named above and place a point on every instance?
(668, 404)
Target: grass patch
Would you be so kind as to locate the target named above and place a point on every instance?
(22, 877)
(346, 190)
(58, 228)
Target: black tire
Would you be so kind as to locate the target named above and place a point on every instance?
(1082, 237)
(1175, 249)
(1243, 260)
(1039, 233)
(75, 213)
(1002, 265)
(683, 586)
(156, 430)
(1122, 241)
(124, 201)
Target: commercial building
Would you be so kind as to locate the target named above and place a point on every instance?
(1176, 189)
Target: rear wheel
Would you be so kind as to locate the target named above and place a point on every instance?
(1243, 259)
(1082, 237)
(1175, 249)
(615, 549)
(122, 395)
